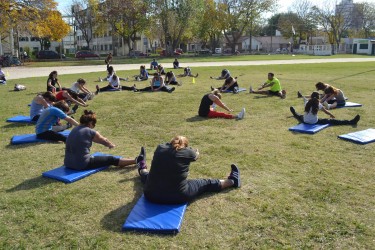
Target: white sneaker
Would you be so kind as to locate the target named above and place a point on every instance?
(241, 115)
(251, 90)
(100, 79)
(326, 105)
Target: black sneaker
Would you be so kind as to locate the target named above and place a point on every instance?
(143, 152)
(171, 90)
(235, 176)
(293, 110)
(141, 163)
(299, 95)
(355, 120)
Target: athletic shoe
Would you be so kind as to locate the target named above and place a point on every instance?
(143, 152)
(355, 120)
(251, 90)
(100, 79)
(97, 90)
(179, 83)
(212, 89)
(293, 110)
(196, 75)
(235, 90)
(283, 94)
(140, 163)
(235, 176)
(299, 95)
(241, 115)
(171, 90)
(326, 105)
(68, 125)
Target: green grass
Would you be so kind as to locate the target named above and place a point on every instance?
(299, 191)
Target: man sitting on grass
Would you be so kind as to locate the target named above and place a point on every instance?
(275, 85)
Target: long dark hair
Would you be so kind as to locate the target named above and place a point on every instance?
(51, 74)
(313, 105)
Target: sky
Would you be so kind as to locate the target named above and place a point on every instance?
(283, 4)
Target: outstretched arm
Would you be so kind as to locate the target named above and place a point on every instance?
(98, 138)
(327, 112)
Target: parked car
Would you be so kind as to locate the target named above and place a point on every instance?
(49, 54)
(86, 54)
(205, 52)
(136, 53)
(218, 50)
(282, 50)
(177, 52)
(7, 61)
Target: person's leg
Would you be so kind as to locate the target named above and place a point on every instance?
(35, 118)
(102, 161)
(335, 122)
(59, 128)
(296, 115)
(127, 88)
(216, 114)
(51, 136)
(145, 89)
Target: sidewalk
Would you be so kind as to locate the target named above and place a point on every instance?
(26, 72)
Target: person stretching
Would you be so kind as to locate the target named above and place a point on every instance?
(275, 89)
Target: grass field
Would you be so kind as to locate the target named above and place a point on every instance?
(298, 191)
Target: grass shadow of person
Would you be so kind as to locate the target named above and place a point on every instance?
(196, 118)
(29, 184)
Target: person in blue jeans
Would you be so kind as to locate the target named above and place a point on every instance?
(167, 182)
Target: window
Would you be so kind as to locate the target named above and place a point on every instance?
(106, 47)
(363, 46)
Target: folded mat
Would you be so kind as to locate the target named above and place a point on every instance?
(308, 128)
(361, 137)
(155, 218)
(31, 138)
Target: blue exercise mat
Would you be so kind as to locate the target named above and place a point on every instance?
(68, 175)
(360, 137)
(350, 105)
(308, 128)
(20, 119)
(239, 90)
(155, 218)
(31, 138)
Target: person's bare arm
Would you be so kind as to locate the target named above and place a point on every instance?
(98, 138)
(71, 121)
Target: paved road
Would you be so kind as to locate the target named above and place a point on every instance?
(25, 72)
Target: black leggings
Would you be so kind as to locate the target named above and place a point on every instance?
(164, 88)
(324, 121)
(51, 136)
(196, 187)
(231, 88)
(102, 161)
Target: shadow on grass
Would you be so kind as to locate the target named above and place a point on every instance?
(114, 220)
(17, 124)
(196, 118)
(36, 182)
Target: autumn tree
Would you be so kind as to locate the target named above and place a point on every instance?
(364, 19)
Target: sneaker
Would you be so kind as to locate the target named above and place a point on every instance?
(235, 90)
(235, 176)
(212, 89)
(283, 94)
(68, 125)
(293, 111)
(299, 95)
(171, 90)
(179, 83)
(326, 105)
(97, 90)
(140, 163)
(100, 79)
(196, 75)
(143, 152)
(251, 90)
(241, 115)
(355, 120)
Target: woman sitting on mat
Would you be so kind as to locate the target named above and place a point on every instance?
(80, 88)
(320, 86)
(39, 103)
(70, 97)
(143, 74)
(206, 108)
(170, 79)
(225, 74)
(187, 72)
(310, 116)
(79, 142)
(230, 85)
(49, 117)
(167, 182)
(334, 96)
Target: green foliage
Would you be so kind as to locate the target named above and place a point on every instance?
(299, 191)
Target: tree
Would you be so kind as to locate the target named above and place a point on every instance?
(333, 22)
(86, 17)
(364, 18)
(240, 15)
(128, 18)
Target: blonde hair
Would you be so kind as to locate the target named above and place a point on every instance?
(216, 92)
(179, 142)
